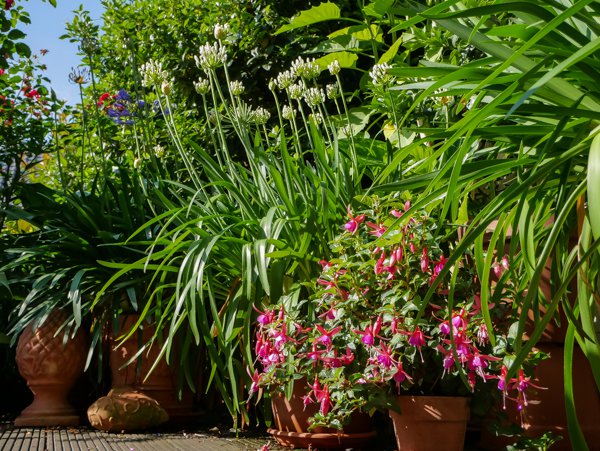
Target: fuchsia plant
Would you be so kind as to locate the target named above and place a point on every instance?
(372, 336)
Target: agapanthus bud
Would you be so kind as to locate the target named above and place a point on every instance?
(165, 87)
(220, 31)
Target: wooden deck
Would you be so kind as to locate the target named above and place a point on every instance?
(41, 439)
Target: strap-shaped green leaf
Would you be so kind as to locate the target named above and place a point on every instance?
(593, 186)
(316, 14)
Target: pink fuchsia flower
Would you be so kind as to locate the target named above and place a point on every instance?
(377, 229)
(371, 331)
(396, 213)
(255, 377)
(417, 339)
(384, 356)
(352, 225)
(400, 375)
(265, 318)
(503, 385)
(326, 336)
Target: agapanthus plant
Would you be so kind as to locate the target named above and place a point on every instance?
(369, 335)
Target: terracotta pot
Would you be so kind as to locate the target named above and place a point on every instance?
(161, 384)
(291, 418)
(51, 368)
(429, 423)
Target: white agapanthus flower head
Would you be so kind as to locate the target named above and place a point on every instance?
(314, 97)
(237, 88)
(379, 74)
(153, 74)
(306, 69)
(332, 91)
(285, 79)
(211, 56)
(296, 90)
(159, 151)
(202, 86)
(288, 113)
(317, 117)
(260, 116)
(334, 67)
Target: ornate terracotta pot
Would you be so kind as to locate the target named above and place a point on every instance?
(51, 367)
(291, 417)
(431, 422)
(161, 384)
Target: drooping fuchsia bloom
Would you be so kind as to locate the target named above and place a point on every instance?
(503, 385)
(400, 376)
(384, 356)
(321, 395)
(417, 339)
(352, 225)
(378, 229)
(478, 363)
(371, 331)
(255, 380)
(326, 336)
(265, 318)
(521, 383)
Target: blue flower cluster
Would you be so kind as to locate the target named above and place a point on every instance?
(121, 109)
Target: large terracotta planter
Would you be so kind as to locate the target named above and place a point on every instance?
(429, 423)
(291, 418)
(161, 384)
(51, 368)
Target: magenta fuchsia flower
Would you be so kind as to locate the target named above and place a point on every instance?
(8, 4)
(370, 332)
(326, 336)
(400, 375)
(377, 229)
(352, 225)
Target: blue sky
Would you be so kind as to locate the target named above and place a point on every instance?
(47, 24)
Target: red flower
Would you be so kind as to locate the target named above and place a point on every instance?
(103, 98)
(8, 4)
